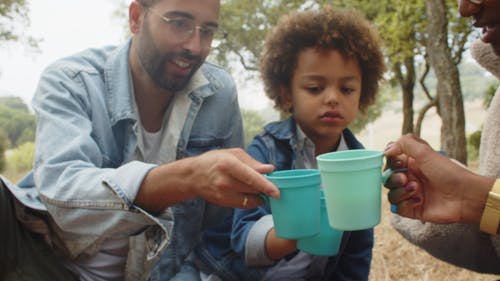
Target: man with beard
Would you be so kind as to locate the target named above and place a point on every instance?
(136, 154)
(451, 212)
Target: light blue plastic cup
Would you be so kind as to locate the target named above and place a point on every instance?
(352, 181)
(296, 213)
(327, 241)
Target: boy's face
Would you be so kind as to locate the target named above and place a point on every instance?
(325, 93)
(486, 15)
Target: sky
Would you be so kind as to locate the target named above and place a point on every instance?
(67, 27)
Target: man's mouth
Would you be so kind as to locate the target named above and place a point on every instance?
(181, 63)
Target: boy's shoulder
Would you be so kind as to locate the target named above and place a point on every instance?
(280, 129)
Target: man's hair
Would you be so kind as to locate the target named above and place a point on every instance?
(345, 31)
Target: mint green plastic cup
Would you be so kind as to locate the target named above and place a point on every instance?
(327, 241)
(296, 213)
(352, 181)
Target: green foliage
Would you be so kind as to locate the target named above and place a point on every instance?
(21, 158)
(17, 121)
(473, 142)
(474, 139)
(247, 23)
(15, 103)
(252, 124)
(374, 111)
(490, 93)
(3, 148)
(13, 18)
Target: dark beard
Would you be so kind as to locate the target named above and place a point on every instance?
(157, 68)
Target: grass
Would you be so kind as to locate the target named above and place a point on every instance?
(396, 259)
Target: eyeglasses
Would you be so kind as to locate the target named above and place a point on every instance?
(183, 28)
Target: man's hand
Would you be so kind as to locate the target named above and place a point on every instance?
(227, 177)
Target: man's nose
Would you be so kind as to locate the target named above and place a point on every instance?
(194, 42)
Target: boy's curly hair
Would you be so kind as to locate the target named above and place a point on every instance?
(345, 31)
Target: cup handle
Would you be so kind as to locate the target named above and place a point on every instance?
(385, 176)
(389, 172)
(264, 197)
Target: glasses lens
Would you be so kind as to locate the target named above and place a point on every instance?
(182, 28)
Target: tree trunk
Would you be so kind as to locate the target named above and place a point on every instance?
(405, 75)
(451, 107)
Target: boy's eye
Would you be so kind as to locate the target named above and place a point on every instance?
(314, 89)
(347, 90)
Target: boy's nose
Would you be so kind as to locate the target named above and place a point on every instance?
(331, 96)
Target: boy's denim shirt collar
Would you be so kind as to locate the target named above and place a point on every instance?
(286, 131)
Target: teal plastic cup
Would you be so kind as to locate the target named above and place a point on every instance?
(296, 213)
(327, 241)
(352, 181)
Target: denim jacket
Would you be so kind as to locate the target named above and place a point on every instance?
(277, 145)
(84, 175)
(225, 256)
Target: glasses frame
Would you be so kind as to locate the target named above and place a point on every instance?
(189, 32)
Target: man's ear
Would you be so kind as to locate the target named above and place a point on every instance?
(135, 16)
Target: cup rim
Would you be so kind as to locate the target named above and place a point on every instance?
(372, 153)
(306, 173)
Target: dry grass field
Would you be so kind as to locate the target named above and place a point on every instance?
(394, 258)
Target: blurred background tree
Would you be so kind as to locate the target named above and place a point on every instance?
(17, 121)
(13, 21)
(3, 147)
(254, 124)
(17, 135)
(403, 26)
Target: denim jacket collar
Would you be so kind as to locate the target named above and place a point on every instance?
(117, 70)
(283, 130)
(286, 130)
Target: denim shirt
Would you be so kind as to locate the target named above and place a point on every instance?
(84, 175)
(277, 145)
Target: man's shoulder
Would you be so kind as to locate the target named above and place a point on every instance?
(89, 60)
